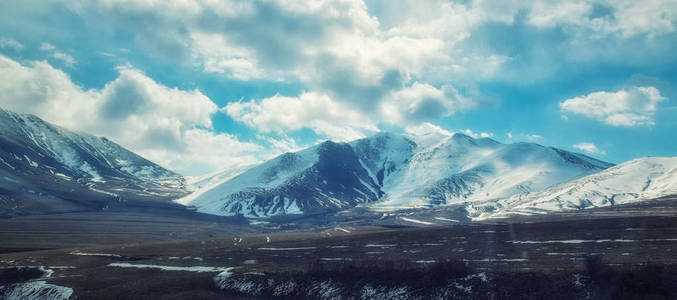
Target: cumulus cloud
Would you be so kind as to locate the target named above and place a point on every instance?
(46, 47)
(630, 107)
(215, 54)
(334, 48)
(340, 121)
(318, 112)
(532, 137)
(65, 58)
(9, 43)
(421, 102)
(477, 135)
(550, 14)
(427, 128)
(529, 137)
(401, 63)
(623, 18)
(589, 148)
(166, 125)
(652, 17)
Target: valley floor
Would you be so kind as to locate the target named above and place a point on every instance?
(624, 252)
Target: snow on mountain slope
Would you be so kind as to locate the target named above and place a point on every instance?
(211, 199)
(87, 155)
(36, 155)
(326, 177)
(383, 155)
(460, 169)
(200, 184)
(633, 181)
(391, 171)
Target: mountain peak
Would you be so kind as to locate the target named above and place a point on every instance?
(72, 165)
(629, 182)
(392, 170)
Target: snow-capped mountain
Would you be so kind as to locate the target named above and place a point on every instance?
(630, 182)
(392, 171)
(459, 168)
(325, 177)
(44, 159)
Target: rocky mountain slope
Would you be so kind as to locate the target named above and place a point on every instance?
(630, 182)
(392, 171)
(46, 168)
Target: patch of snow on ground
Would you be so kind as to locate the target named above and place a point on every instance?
(336, 259)
(416, 221)
(287, 249)
(448, 220)
(36, 290)
(241, 284)
(499, 260)
(380, 245)
(574, 241)
(285, 288)
(426, 261)
(198, 269)
(371, 292)
(433, 244)
(93, 254)
(325, 289)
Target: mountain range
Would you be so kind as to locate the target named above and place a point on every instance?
(390, 172)
(630, 182)
(45, 168)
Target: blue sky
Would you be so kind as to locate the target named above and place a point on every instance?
(199, 85)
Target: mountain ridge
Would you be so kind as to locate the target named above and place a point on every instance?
(393, 171)
(626, 183)
(46, 167)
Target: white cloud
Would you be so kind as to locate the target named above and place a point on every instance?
(396, 63)
(280, 145)
(629, 107)
(318, 112)
(529, 137)
(550, 14)
(651, 17)
(166, 125)
(625, 18)
(48, 92)
(432, 130)
(421, 102)
(46, 47)
(401, 64)
(65, 58)
(589, 148)
(340, 121)
(426, 128)
(532, 137)
(215, 54)
(9, 43)
(477, 135)
(334, 48)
